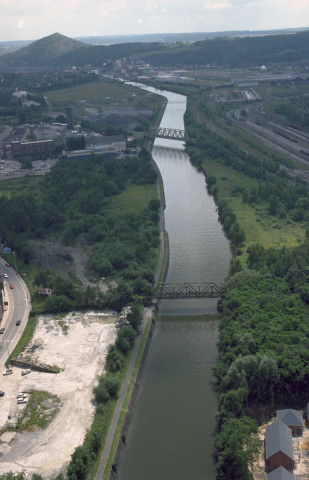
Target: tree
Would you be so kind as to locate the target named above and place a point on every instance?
(237, 446)
(13, 476)
(256, 256)
(125, 338)
(78, 467)
(115, 359)
(135, 316)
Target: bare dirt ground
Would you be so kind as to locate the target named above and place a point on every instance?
(301, 456)
(81, 354)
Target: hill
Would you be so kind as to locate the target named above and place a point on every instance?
(239, 51)
(42, 52)
(60, 51)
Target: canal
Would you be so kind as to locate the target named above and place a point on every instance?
(170, 436)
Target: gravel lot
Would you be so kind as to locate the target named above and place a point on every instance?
(81, 354)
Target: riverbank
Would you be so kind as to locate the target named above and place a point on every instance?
(168, 420)
(115, 440)
(262, 360)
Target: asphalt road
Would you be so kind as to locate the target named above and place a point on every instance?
(18, 308)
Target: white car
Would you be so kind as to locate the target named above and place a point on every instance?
(5, 275)
(24, 372)
(8, 371)
(22, 400)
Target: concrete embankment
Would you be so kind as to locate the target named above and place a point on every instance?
(122, 436)
(160, 275)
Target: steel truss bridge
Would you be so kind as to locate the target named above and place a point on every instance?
(187, 290)
(168, 133)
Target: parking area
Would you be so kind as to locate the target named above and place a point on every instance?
(12, 168)
(77, 344)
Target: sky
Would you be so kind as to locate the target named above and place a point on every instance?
(35, 19)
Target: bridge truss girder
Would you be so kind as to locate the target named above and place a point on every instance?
(187, 290)
(168, 133)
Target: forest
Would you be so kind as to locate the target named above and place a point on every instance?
(73, 202)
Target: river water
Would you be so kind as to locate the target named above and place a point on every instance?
(170, 436)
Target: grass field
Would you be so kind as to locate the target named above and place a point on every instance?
(134, 199)
(18, 185)
(259, 227)
(90, 90)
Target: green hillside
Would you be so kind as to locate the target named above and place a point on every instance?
(43, 52)
(58, 50)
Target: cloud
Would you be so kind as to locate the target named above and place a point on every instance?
(217, 5)
(293, 5)
(29, 19)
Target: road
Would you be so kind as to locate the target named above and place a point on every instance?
(18, 308)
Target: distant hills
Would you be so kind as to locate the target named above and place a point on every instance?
(42, 52)
(180, 37)
(60, 51)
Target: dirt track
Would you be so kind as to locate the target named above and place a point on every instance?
(81, 353)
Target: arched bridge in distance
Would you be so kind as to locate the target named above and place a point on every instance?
(167, 133)
(187, 290)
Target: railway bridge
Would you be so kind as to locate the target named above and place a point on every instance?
(187, 290)
(168, 133)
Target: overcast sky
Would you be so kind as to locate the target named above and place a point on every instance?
(34, 19)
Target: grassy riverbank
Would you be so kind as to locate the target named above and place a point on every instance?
(258, 225)
(262, 350)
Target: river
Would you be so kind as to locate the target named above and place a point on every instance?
(170, 436)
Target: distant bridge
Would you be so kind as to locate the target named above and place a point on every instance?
(187, 290)
(168, 133)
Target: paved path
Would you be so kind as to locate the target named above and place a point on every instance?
(148, 312)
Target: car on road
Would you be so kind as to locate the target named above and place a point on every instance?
(1, 394)
(7, 265)
(5, 275)
(26, 371)
(8, 371)
(22, 400)
(17, 323)
(11, 286)
(2, 330)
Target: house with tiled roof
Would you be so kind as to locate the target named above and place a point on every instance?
(278, 446)
(280, 473)
(293, 419)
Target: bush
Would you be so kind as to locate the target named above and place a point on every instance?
(115, 359)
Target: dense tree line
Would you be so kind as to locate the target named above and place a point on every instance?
(263, 332)
(285, 196)
(217, 148)
(72, 201)
(263, 345)
(294, 110)
(105, 392)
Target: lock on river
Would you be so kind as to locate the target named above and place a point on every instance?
(170, 436)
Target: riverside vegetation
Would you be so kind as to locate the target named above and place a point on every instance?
(108, 207)
(75, 201)
(263, 331)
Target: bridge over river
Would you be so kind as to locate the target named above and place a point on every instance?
(168, 133)
(187, 290)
